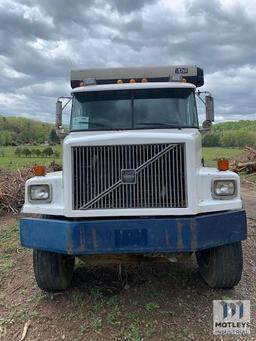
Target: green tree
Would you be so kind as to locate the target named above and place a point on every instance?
(50, 151)
(211, 140)
(18, 152)
(26, 152)
(47, 152)
(37, 152)
(5, 138)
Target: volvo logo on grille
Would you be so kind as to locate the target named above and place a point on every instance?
(128, 176)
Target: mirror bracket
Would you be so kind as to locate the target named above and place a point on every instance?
(209, 108)
(59, 110)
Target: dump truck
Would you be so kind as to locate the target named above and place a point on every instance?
(134, 186)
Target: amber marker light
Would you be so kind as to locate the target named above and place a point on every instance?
(39, 170)
(81, 84)
(183, 80)
(132, 81)
(223, 164)
(144, 80)
(119, 81)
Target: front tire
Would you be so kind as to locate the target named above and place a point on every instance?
(222, 266)
(53, 271)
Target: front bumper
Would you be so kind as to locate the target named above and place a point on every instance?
(134, 235)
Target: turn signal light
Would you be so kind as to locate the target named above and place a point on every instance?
(144, 80)
(119, 81)
(223, 164)
(39, 170)
(132, 81)
(82, 84)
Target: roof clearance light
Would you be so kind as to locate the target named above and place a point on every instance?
(223, 164)
(81, 84)
(119, 81)
(132, 81)
(144, 80)
(39, 170)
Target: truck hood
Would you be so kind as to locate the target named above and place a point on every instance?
(114, 137)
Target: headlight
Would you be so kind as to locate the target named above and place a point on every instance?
(39, 193)
(224, 189)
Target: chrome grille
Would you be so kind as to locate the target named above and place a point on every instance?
(160, 176)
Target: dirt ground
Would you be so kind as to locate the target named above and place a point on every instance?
(142, 302)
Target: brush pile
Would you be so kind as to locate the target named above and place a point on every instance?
(246, 162)
(12, 187)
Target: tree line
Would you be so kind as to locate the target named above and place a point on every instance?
(231, 134)
(16, 131)
(46, 152)
(229, 139)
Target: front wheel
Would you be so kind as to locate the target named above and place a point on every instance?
(53, 271)
(221, 266)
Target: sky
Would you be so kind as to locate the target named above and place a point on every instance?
(41, 41)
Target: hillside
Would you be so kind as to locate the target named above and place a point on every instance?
(18, 130)
(238, 125)
(231, 134)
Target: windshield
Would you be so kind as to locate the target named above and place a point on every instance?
(134, 109)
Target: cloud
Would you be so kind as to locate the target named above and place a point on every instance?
(40, 41)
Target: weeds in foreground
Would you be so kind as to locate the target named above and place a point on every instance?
(130, 333)
(151, 306)
(77, 300)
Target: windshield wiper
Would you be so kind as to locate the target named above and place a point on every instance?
(159, 124)
(103, 126)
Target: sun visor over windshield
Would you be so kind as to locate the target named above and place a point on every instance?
(190, 73)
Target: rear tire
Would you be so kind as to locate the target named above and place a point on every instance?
(53, 271)
(222, 266)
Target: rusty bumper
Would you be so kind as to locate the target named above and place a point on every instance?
(134, 235)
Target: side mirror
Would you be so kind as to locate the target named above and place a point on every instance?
(59, 110)
(209, 107)
(58, 114)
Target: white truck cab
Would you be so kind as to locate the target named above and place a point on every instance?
(133, 182)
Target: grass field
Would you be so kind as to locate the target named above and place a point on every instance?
(211, 154)
(11, 162)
